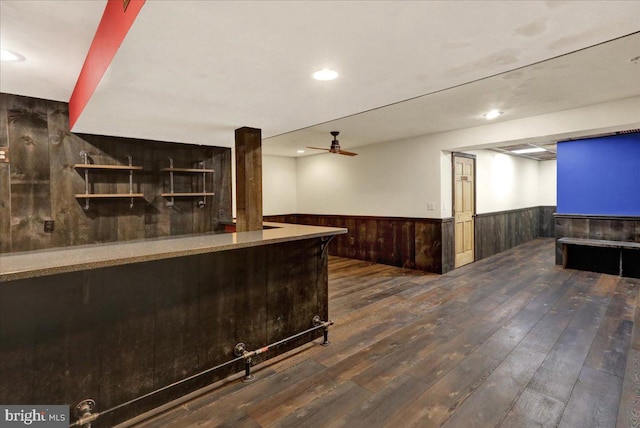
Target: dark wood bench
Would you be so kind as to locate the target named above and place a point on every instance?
(625, 264)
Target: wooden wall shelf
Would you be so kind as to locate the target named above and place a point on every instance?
(171, 194)
(108, 167)
(108, 195)
(187, 170)
(186, 194)
(87, 195)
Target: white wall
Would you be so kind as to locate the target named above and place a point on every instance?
(402, 178)
(505, 182)
(547, 189)
(384, 180)
(279, 185)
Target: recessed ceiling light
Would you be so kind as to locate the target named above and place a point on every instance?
(300, 151)
(492, 114)
(531, 150)
(8, 56)
(325, 74)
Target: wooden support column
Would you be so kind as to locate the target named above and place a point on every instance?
(248, 179)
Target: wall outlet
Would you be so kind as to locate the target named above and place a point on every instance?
(150, 219)
(49, 226)
(4, 154)
(431, 206)
(352, 240)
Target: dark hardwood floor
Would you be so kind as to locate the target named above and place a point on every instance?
(509, 341)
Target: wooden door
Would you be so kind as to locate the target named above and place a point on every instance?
(464, 208)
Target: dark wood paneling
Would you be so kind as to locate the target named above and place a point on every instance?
(500, 231)
(428, 246)
(547, 222)
(422, 243)
(49, 340)
(216, 315)
(177, 322)
(248, 179)
(448, 245)
(5, 184)
(43, 183)
(596, 227)
(610, 228)
(578, 228)
(221, 202)
(388, 240)
(322, 278)
(71, 223)
(341, 244)
(29, 151)
(395, 244)
(296, 292)
(250, 295)
(201, 213)
(366, 243)
(130, 219)
(561, 231)
(113, 334)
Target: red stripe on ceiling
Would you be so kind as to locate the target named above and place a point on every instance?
(111, 32)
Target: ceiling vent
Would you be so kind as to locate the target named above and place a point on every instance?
(546, 151)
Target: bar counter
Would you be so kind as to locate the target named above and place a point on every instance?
(115, 322)
(60, 260)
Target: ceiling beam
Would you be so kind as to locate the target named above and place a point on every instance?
(115, 24)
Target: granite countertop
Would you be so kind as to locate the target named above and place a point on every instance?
(72, 259)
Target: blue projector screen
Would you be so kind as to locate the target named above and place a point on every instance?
(600, 176)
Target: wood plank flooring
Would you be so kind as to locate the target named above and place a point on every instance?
(509, 341)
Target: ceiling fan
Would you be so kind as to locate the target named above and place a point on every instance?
(335, 146)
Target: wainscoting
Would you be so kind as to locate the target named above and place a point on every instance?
(502, 230)
(414, 243)
(426, 244)
(595, 227)
(40, 182)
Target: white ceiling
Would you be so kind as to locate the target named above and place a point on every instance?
(54, 37)
(193, 71)
(595, 75)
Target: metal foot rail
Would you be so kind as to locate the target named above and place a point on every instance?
(84, 410)
(240, 350)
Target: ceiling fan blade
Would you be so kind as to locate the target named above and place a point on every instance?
(346, 153)
(318, 148)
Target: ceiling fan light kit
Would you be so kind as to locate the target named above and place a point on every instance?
(335, 146)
